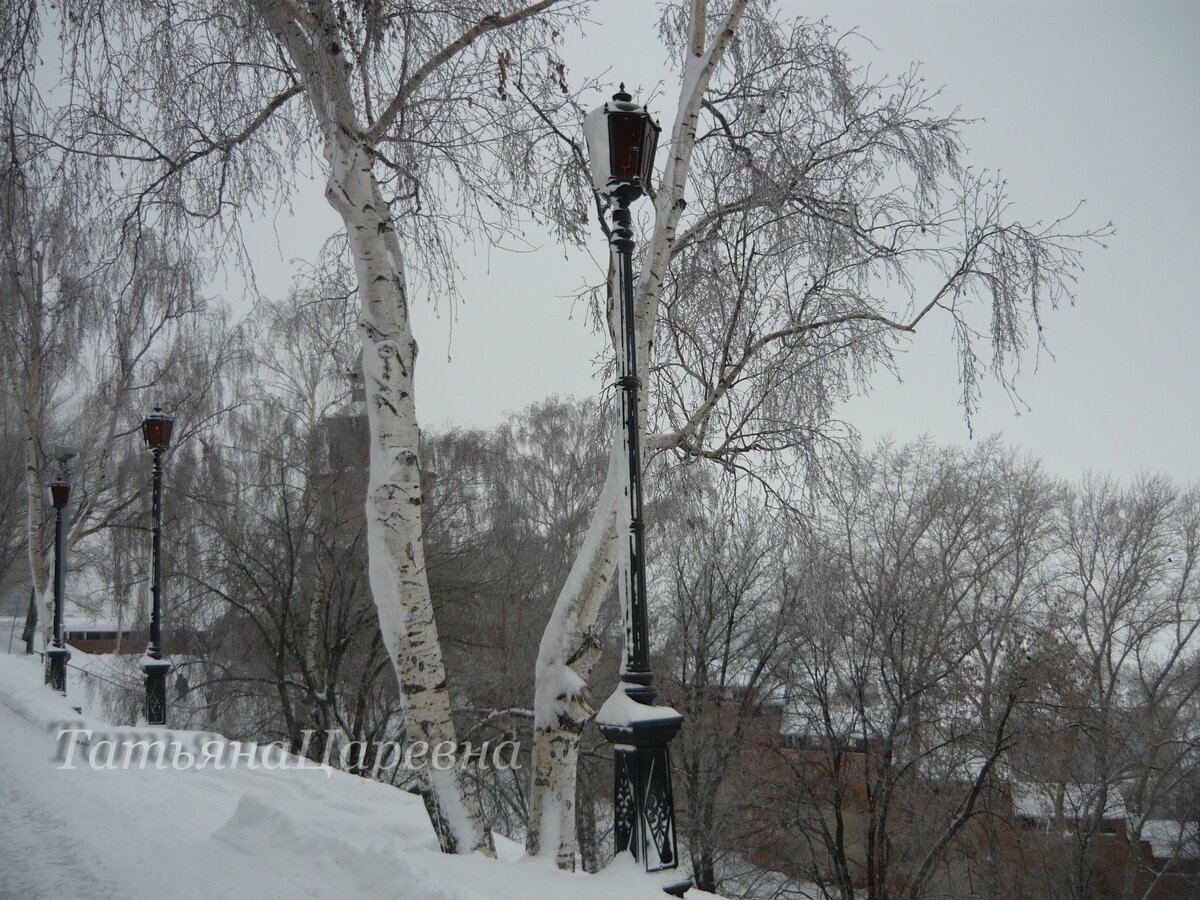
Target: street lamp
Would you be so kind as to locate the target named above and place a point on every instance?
(58, 654)
(621, 138)
(156, 430)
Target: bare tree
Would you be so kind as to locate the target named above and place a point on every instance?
(803, 212)
(1128, 601)
(506, 513)
(407, 111)
(796, 193)
(891, 764)
(14, 567)
(726, 577)
(90, 344)
(276, 533)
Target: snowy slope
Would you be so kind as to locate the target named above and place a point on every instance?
(232, 833)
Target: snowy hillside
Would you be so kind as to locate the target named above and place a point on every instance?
(238, 832)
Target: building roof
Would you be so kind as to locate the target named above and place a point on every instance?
(82, 624)
(1169, 838)
(1033, 800)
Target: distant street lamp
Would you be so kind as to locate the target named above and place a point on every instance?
(156, 430)
(622, 138)
(58, 654)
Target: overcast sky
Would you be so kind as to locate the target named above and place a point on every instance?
(1087, 100)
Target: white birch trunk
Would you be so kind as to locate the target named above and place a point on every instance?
(565, 659)
(395, 548)
(567, 652)
(393, 509)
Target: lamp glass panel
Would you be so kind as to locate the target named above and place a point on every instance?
(650, 145)
(157, 431)
(152, 431)
(625, 144)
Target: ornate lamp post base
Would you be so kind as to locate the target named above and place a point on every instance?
(56, 668)
(156, 690)
(643, 805)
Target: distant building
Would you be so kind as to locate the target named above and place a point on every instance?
(1029, 829)
(340, 479)
(343, 447)
(103, 637)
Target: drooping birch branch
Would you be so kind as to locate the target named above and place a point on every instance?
(412, 84)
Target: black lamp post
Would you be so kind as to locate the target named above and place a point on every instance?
(156, 430)
(622, 138)
(58, 654)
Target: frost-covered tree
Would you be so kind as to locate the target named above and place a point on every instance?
(807, 218)
(727, 595)
(892, 764)
(93, 334)
(1126, 601)
(203, 109)
(98, 322)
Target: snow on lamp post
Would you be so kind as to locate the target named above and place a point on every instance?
(58, 654)
(621, 138)
(156, 430)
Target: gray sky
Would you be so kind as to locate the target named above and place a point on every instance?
(1095, 101)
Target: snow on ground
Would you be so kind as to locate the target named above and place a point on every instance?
(234, 832)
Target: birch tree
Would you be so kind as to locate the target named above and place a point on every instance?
(14, 565)
(92, 335)
(353, 139)
(38, 324)
(806, 220)
(407, 110)
(569, 649)
(98, 322)
(31, 332)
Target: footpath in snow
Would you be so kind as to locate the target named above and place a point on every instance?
(234, 832)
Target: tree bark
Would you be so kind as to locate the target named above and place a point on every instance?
(395, 531)
(567, 653)
(396, 553)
